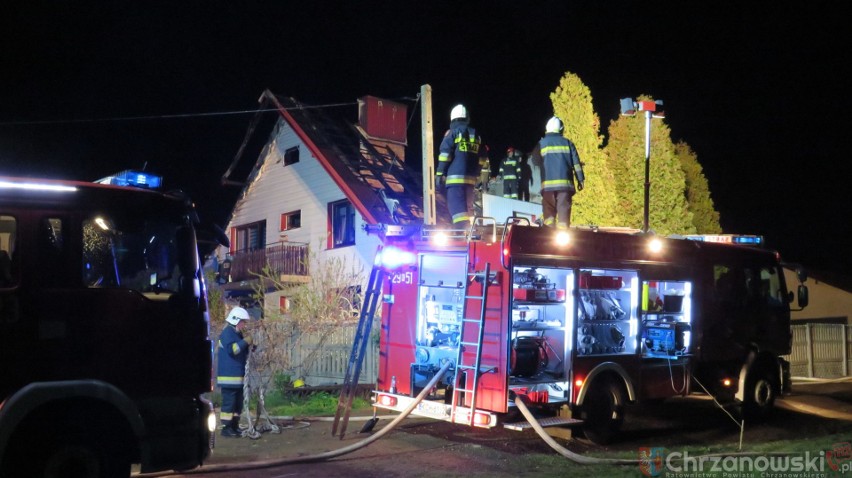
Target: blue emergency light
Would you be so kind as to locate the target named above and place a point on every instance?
(749, 240)
(138, 179)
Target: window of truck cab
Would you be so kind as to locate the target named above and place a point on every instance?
(153, 255)
(8, 247)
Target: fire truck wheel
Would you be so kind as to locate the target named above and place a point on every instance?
(761, 388)
(51, 445)
(603, 411)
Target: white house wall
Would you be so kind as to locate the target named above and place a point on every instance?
(825, 301)
(304, 186)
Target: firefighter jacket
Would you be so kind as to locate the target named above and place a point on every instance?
(559, 162)
(462, 155)
(510, 167)
(232, 354)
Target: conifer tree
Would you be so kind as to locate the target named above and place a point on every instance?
(625, 152)
(572, 103)
(704, 215)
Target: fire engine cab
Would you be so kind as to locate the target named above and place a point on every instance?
(578, 323)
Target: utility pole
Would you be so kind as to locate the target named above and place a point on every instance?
(651, 109)
(428, 167)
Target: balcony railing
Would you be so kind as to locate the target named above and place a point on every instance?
(284, 258)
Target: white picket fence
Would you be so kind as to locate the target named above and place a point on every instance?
(330, 366)
(821, 351)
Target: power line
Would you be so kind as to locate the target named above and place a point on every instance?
(160, 117)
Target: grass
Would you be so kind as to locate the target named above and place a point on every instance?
(313, 405)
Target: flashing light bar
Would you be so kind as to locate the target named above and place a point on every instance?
(393, 258)
(132, 178)
(37, 186)
(750, 240)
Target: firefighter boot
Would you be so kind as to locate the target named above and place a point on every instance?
(232, 429)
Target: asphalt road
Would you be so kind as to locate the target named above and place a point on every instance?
(421, 447)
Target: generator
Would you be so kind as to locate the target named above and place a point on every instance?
(666, 338)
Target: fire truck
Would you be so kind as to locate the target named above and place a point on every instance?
(106, 354)
(578, 323)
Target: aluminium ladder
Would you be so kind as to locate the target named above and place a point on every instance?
(359, 348)
(463, 378)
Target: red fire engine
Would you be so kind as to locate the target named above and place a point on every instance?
(579, 323)
(103, 311)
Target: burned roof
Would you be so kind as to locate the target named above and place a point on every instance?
(379, 184)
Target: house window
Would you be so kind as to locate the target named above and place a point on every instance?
(291, 220)
(291, 156)
(341, 224)
(250, 237)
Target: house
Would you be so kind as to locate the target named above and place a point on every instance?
(317, 182)
(830, 299)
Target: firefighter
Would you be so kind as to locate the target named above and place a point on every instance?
(233, 350)
(462, 156)
(559, 162)
(509, 170)
(524, 179)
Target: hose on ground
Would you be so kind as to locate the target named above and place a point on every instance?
(575, 457)
(255, 465)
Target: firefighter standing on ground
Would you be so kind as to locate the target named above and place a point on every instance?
(233, 350)
(559, 162)
(462, 156)
(510, 171)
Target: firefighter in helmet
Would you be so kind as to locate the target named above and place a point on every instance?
(510, 170)
(557, 156)
(232, 354)
(462, 156)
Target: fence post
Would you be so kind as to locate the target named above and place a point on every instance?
(810, 350)
(845, 350)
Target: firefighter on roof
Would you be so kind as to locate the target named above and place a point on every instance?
(510, 170)
(462, 156)
(524, 179)
(559, 162)
(233, 350)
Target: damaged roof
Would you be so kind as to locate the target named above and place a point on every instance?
(377, 182)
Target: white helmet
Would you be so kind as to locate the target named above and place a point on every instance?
(458, 112)
(237, 314)
(554, 125)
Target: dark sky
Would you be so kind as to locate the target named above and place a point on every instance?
(756, 88)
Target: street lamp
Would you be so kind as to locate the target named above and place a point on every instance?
(652, 109)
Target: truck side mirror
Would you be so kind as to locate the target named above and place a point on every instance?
(803, 296)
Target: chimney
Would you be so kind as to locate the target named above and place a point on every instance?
(383, 120)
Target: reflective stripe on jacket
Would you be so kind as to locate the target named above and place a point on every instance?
(462, 155)
(232, 353)
(560, 163)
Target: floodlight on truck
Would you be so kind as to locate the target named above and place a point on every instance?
(563, 238)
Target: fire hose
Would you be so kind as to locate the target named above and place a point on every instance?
(575, 457)
(318, 457)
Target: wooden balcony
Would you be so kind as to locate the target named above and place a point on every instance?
(289, 260)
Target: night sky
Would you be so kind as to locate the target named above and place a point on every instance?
(756, 88)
